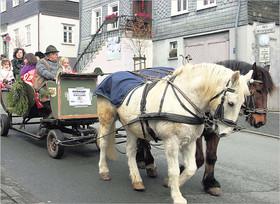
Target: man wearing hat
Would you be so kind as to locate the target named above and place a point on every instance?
(51, 59)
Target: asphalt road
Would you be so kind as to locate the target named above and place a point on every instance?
(248, 170)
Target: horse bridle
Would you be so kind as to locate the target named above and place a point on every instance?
(219, 113)
(250, 107)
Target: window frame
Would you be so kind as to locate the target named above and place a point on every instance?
(3, 5)
(68, 32)
(114, 26)
(174, 7)
(28, 35)
(201, 6)
(15, 3)
(94, 25)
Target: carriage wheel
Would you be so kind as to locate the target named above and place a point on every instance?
(5, 124)
(55, 151)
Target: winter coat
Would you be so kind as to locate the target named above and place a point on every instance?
(26, 68)
(6, 74)
(17, 66)
(42, 70)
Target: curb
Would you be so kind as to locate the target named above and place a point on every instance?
(14, 193)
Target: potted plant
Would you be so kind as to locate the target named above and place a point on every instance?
(144, 17)
(111, 18)
(173, 53)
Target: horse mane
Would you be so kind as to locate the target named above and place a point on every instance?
(210, 73)
(245, 67)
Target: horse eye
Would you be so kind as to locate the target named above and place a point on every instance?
(231, 104)
(259, 91)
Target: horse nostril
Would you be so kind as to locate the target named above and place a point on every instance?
(259, 124)
(223, 135)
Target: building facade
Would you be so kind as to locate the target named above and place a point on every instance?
(111, 50)
(35, 24)
(215, 30)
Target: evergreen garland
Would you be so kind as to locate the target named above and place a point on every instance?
(17, 99)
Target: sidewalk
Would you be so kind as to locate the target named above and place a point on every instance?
(13, 193)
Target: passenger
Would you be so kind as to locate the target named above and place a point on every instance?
(39, 55)
(64, 63)
(17, 61)
(30, 63)
(49, 61)
(6, 74)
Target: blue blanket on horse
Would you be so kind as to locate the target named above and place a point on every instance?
(116, 86)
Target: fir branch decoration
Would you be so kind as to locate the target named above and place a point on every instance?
(18, 102)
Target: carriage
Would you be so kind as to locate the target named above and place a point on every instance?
(69, 118)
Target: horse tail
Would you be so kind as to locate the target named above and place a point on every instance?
(111, 149)
(107, 116)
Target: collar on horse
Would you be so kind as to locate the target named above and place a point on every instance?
(195, 120)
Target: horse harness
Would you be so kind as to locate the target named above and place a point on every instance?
(250, 107)
(204, 117)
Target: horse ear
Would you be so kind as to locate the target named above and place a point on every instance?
(235, 78)
(248, 76)
(254, 67)
(267, 67)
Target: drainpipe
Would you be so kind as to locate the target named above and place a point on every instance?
(236, 25)
(39, 32)
(80, 14)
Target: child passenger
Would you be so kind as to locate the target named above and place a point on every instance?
(30, 62)
(6, 74)
(64, 63)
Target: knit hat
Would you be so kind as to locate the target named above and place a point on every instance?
(39, 54)
(51, 49)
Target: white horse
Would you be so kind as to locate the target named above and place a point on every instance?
(206, 86)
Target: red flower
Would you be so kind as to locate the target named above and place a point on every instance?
(143, 15)
(111, 16)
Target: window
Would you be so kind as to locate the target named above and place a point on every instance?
(3, 5)
(173, 49)
(28, 35)
(16, 32)
(15, 3)
(68, 34)
(202, 4)
(179, 7)
(113, 8)
(96, 19)
(140, 6)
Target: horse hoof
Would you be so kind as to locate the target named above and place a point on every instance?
(215, 191)
(166, 182)
(180, 201)
(105, 176)
(141, 165)
(138, 186)
(151, 173)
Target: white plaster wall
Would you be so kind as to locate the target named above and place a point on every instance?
(161, 50)
(125, 63)
(51, 33)
(33, 22)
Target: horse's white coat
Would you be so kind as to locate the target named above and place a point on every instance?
(200, 83)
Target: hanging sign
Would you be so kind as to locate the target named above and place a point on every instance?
(264, 39)
(264, 54)
(265, 28)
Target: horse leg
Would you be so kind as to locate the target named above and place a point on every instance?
(107, 118)
(134, 174)
(171, 147)
(211, 185)
(199, 153)
(144, 156)
(188, 155)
